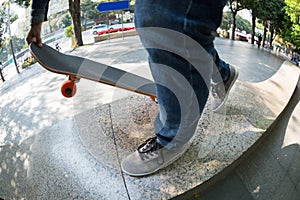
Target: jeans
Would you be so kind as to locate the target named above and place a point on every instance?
(178, 36)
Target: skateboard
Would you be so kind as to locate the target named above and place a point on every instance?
(77, 67)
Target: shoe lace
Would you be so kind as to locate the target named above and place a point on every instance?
(149, 148)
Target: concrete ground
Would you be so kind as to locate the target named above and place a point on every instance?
(47, 152)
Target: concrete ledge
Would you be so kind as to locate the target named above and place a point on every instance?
(109, 36)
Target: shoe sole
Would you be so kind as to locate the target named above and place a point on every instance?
(227, 94)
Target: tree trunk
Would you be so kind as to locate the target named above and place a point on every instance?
(74, 8)
(265, 34)
(253, 27)
(271, 36)
(233, 25)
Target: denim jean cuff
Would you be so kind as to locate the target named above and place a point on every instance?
(37, 16)
(171, 145)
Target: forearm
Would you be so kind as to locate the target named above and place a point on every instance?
(39, 11)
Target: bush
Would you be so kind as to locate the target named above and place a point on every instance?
(28, 62)
(69, 31)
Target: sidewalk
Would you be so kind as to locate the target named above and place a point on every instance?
(57, 148)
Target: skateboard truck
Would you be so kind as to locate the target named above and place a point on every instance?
(153, 98)
(68, 88)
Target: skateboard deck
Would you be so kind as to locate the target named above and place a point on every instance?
(77, 67)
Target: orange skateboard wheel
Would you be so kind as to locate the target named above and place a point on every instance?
(68, 89)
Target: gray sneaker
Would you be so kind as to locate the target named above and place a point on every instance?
(151, 157)
(221, 90)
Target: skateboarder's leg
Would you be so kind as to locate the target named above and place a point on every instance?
(180, 47)
(224, 76)
(182, 92)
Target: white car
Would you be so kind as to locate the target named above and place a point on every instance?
(99, 28)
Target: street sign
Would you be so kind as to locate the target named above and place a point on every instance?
(109, 6)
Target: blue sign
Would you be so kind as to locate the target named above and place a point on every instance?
(109, 6)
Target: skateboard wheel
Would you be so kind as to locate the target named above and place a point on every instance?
(68, 89)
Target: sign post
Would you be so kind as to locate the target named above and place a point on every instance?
(110, 6)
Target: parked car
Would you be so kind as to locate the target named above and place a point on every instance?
(99, 28)
(241, 36)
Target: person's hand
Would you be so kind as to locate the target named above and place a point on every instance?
(34, 34)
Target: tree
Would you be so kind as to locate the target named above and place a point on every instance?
(7, 19)
(241, 24)
(284, 29)
(18, 43)
(269, 15)
(235, 6)
(66, 20)
(253, 6)
(2, 25)
(226, 21)
(4, 21)
(88, 11)
(74, 8)
(22, 3)
(292, 10)
(276, 19)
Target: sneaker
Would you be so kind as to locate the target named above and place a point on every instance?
(151, 157)
(221, 90)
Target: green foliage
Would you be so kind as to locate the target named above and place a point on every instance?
(2, 25)
(226, 21)
(69, 31)
(4, 21)
(292, 10)
(251, 4)
(66, 20)
(241, 23)
(281, 16)
(88, 9)
(29, 61)
(23, 3)
(235, 5)
(18, 43)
